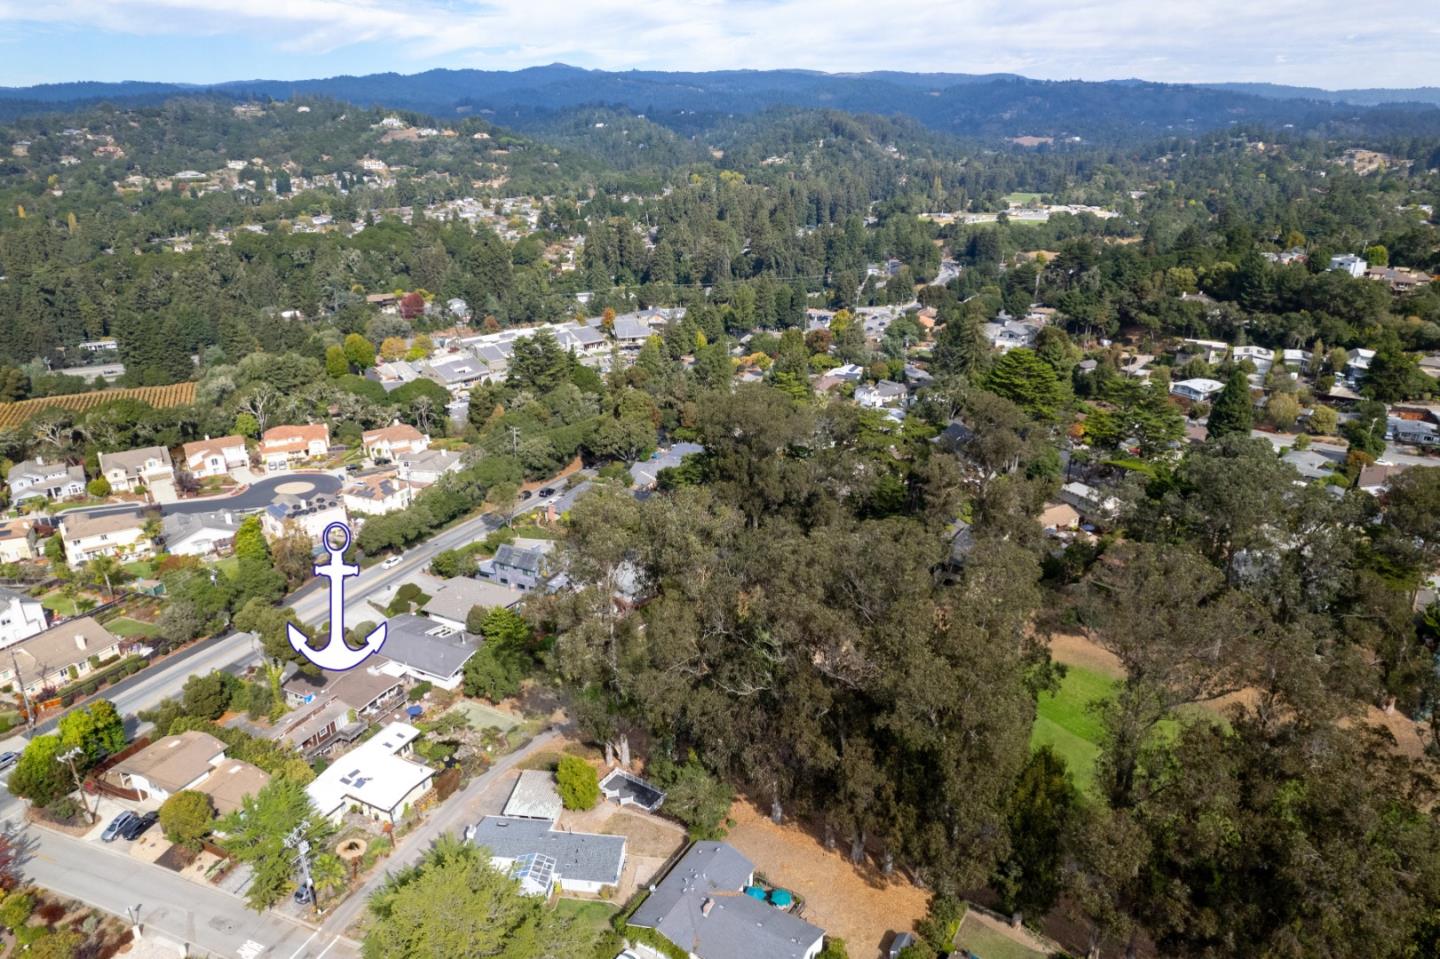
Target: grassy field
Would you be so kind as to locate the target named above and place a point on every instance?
(1067, 724)
(1022, 198)
(989, 944)
(141, 568)
(128, 628)
(58, 603)
(591, 916)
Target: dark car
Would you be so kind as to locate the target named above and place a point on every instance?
(116, 825)
(137, 825)
(8, 759)
(525, 494)
(547, 492)
(303, 895)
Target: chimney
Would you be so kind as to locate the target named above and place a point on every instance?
(80, 642)
(707, 906)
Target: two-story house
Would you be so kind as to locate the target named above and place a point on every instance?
(21, 617)
(390, 442)
(87, 536)
(207, 457)
(37, 478)
(128, 470)
(308, 513)
(281, 447)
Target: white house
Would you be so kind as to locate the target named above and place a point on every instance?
(884, 394)
(310, 514)
(1349, 263)
(376, 494)
(281, 447)
(200, 534)
(87, 536)
(1197, 390)
(37, 478)
(426, 468)
(374, 778)
(398, 439)
(207, 457)
(128, 470)
(21, 617)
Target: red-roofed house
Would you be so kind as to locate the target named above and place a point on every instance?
(216, 457)
(283, 446)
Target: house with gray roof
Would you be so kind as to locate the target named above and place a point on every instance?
(200, 534)
(523, 564)
(544, 858)
(425, 468)
(427, 651)
(129, 469)
(453, 601)
(646, 473)
(701, 907)
(36, 478)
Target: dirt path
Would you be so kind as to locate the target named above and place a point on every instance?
(1073, 649)
(859, 905)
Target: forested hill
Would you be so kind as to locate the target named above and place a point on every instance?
(991, 106)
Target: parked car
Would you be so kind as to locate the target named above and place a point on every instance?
(116, 825)
(391, 562)
(137, 825)
(525, 494)
(547, 492)
(303, 895)
(8, 759)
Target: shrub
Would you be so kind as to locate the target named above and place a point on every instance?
(187, 817)
(98, 487)
(419, 690)
(16, 909)
(577, 783)
(834, 949)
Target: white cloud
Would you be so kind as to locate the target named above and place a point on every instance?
(1319, 42)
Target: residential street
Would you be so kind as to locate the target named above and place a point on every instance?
(209, 920)
(253, 498)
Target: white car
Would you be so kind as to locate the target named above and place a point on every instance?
(391, 562)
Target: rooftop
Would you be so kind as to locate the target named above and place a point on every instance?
(459, 594)
(371, 773)
(534, 796)
(581, 856)
(427, 646)
(175, 762)
(230, 782)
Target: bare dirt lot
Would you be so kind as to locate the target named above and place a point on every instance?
(857, 904)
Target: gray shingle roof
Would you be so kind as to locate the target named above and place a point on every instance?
(735, 926)
(455, 598)
(583, 857)
(425, 645)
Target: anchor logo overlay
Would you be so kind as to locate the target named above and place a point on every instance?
(335, 655)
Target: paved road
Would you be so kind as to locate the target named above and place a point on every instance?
(253, 498)
(1394, 453)
(204, 917)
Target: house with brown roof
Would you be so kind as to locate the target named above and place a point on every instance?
(281, 447)
(59, 656)
(87, 535)
(18, 541)
(215, 457)
(169, 765)
(230, 781)
(389, 442)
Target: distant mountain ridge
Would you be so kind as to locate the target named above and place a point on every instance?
(976, 105)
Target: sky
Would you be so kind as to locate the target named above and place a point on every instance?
(1325, 43)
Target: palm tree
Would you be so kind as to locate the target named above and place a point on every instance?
(105, 571)
(327, 872)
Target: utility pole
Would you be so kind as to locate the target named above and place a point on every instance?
(24, 693)
(68, 757)
(514, 440)
(297, 841)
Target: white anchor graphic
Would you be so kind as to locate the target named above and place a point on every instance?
(335, 655)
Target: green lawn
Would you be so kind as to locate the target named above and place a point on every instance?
(58, 603)
(128, 628)
(141, 569)
(591, 916)
(1022, 198)
(989, 944)
(1065, 722)
(230, 565)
